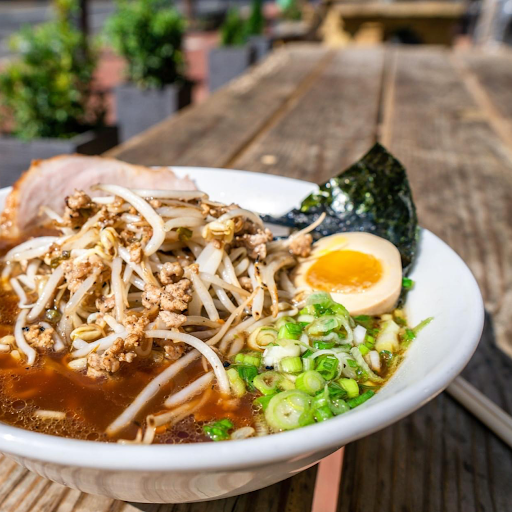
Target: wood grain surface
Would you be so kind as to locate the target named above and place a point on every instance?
(307, 112)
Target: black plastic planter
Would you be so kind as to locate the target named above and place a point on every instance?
(139, 109)
(226, 63)
(16, 154)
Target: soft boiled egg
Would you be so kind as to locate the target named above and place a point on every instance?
(360, 270)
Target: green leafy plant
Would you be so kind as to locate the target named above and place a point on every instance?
(233, 31)
(149, 35)
(256, 21)
(47, 91)
(290, 9)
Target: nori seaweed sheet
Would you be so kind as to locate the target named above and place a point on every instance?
(373, 195)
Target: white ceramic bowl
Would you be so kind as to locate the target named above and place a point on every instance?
(445, 289)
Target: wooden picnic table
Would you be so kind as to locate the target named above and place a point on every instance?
(308, 112)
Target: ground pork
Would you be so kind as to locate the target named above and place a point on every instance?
(135, 250)
(136, 324)
(173, 297)
(172, 320)
(110, 361)
(217, 210)
(79, 207)
(151, 296)
(255, 241)
(38, 336)
(301, 245)
(170, 272)
(176, 297)
(105, 304)
(76, 273)
(173, 351)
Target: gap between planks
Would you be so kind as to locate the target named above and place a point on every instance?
(288, 105)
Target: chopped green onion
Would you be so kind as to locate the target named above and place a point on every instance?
(236, 382)
(308, 363)
(350, 386)
(267, 382)
(421, 325)
(400, 321)
(55, 262)
(327, 366)
(407, 283)
(263, 401)
(321, 399)
(308, 310)
(323, 345)
(408, 336)
(218, 431)
(291, 364)
(285, 320)
(354, 402)
(369, 341)
(289, 410)
(311, 382)
(322, 325)
(184, 234)
(322, 310)
(247, 373)
(323, 413)
(336, 392)
(339, 406)
(250, 358)
(286, 384)
(363, 349)
(261, 337)
(306, 319)
(308, 353)
(364, 320)
(289, 331)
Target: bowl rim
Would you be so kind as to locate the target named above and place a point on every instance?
(261, 450)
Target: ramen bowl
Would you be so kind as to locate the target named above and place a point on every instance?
(445, 289)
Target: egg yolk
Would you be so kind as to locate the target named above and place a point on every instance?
(344, 272)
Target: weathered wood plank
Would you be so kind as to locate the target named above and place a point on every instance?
(460, 171)
(327, 128)
(494, 72)
(213, 132)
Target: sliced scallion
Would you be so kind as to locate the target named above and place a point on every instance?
(354, 402)
(291, 364)
(289, 410)
(327, 366)
(350, 386)
(310, 381)
(236, 382)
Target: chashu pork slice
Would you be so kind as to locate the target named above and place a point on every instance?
(48, 182)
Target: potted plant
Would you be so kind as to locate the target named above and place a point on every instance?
(48, 104)
(233, 56)
(149, 35)
(255, 30)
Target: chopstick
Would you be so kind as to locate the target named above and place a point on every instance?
(484, 409)
(327, 483)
